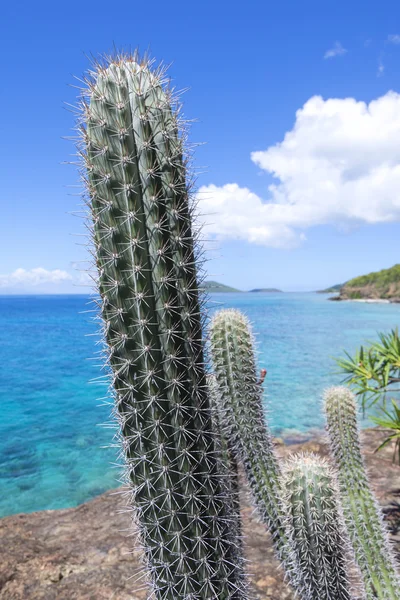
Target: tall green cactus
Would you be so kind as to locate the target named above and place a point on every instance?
(362, 513)
(240, 398)
(148, 281)
(315, 529)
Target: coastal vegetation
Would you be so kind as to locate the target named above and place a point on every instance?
(374, 374)
(183, 433)
(384, 284)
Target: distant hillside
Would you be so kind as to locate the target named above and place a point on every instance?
(383, 284)
(333, 288)
(214, 286)
(265, 290)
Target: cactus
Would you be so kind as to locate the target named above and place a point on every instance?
(314, 529)
(240, 404)
(180, 451)
(228, 463)
(139, 200)
(240, 399)
(362, 513)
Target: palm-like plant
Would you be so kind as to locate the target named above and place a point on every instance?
(374, 372)
(391, 421)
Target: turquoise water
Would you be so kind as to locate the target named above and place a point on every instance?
(53, 451)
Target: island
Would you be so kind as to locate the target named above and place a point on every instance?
(262, 290)
(215, 287)
(379, 286)
(331, 290)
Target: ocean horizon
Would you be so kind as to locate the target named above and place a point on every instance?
(54, 453)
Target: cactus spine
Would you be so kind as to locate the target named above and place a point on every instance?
(314, 529)
(361, 511)
(147, 279)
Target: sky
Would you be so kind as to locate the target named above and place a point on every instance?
(296, 107)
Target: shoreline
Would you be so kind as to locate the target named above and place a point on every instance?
(86, 552)
(366, 300)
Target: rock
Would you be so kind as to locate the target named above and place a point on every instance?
(85, 553)
(266, 582)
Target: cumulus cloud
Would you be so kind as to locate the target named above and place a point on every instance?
(340, 165)
(236, 212)
(336, 50)
(394, 38)
(33, 277)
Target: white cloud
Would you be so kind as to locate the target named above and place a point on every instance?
(340, 165)
(238, 213)
(336, 50)
(34, 277)
(394, 39)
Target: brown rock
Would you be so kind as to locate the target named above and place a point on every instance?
(84, 553)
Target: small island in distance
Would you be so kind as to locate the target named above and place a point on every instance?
(269, 290)
(378, 286)
(215, 287)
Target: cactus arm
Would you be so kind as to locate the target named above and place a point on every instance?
(361, 510)
(229, 465)
(314, 528)
(147, 281)
(240, 399)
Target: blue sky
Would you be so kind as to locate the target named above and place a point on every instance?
(257, 72)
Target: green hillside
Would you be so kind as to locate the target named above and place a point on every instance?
(214, 286)
(379, 284)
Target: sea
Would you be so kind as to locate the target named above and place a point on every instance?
(57, 444)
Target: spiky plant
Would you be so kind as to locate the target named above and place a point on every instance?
(229, 462)
(243, 424)
(314, 529)
(362, 513)
(242, 416)
(181, 471)
(139, 198)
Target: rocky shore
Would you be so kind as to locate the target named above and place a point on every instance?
(85, 553)
(379, 285)
(372, 300)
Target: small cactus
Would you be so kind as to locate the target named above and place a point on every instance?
(243, 423)
(362, 513)
(314, 529)
(229, 464)
(242, 416)
(148, 283)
